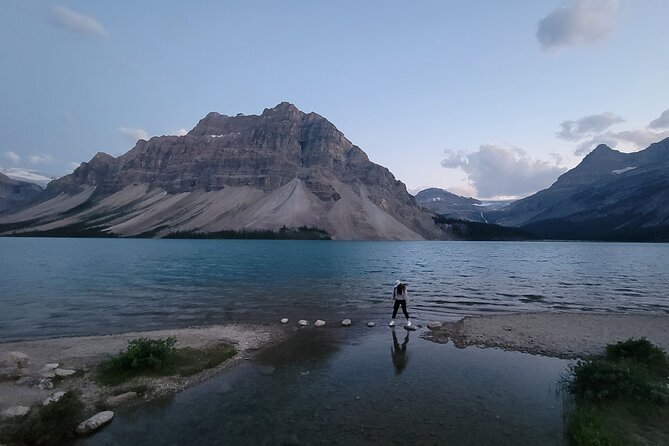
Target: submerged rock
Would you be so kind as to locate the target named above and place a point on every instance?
(346, 322)
(95, 422)
(64, 372)
(433, 325)
(319, 323)
(120, 399)
(284, 320)
(15, 411)
(302, 323)
(371, 324)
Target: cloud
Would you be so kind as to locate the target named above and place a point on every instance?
(133, 134)
(40, 159)
(494, 170)
(662, 122)
(577, 22)
(590, 131)
(13, 157)
(84, 25)
(587, 126)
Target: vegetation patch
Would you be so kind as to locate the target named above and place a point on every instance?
(621, 398)
(159, 357)
(285, 233)
(52, 424)
(479, 231)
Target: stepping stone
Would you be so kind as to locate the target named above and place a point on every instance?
(51, 366)
(95, 422)
(284, 320)
(53, 398)
(371, 324)
(346, 322)
(64, 372)
(302, 323)
(319, 323)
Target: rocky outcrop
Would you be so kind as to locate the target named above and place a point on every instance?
(281, 168)
(15, 194)
(609, 196)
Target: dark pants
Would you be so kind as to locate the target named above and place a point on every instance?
(403, 303)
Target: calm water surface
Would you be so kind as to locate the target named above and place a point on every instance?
(336, 386)
(55, 287)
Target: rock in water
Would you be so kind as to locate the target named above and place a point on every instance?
(284, 320)
(53, 398)
(371, 324)
(64, 372)
(302, 323)
(319, 323)
(15, 411)
(346, 322)
(433, 325)
(410, 327)
(19, 359)
(95, 422)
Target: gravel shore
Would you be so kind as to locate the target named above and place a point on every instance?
(566, 335)
(21, 386)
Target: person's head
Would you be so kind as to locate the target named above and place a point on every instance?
(400, 286)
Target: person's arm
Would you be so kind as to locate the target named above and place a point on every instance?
(394, 293)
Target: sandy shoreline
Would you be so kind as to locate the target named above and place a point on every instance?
(19, 386)
(566, 335)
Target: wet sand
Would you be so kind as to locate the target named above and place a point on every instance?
(83, 353)
(565, 335)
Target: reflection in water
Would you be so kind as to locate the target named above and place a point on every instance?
(399, 353)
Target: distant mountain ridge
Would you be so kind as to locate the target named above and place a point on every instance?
(448, 204)
(245, 172)
(610, 195)
(15, 194)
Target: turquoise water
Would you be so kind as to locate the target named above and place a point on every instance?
(56, 287)
(347, 386)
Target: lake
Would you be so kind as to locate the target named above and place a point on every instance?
(58, 286)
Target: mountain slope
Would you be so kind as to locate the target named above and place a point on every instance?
(448, 204)
(15, 194)
(280, 168)
(609, 196)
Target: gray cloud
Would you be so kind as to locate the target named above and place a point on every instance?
(662, 122)
(499, 171)
(577, 22)
(84, 25)
(587, 126)
(40, 159)
(630, 139)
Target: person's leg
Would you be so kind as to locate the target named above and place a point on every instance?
(404, 309)
(395, 308)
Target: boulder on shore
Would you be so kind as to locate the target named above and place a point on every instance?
(95, 422)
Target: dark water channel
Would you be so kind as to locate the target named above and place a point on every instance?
(355, 386)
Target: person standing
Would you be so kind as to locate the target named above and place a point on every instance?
(400, 299)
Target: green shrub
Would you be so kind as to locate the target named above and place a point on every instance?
(142, 356)
(48, 425)
(641, 351)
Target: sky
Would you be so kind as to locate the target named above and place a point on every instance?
(482, 98)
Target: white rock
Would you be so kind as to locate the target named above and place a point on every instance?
(410, 327)
(371, 324)
(319, 323)
(53, 398)
(52, 366)
(48, 375)
(15, 411)
(284, 320)
(64, 372)
(95, 422)
(346, 322)
(302, 323)
(19, 359)
(120, 399)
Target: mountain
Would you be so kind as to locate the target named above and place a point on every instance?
(283, 168)
(610, 195)
(15, 194)
(450, 205)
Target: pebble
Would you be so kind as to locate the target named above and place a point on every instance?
(346, 322)
(302, 323)
(371, 324)
(53, 398)
(319, 323)
(95, 422)
(64, 372)
(284, 320)
(15, 411)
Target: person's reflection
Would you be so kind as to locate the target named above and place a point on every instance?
(399, 353)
